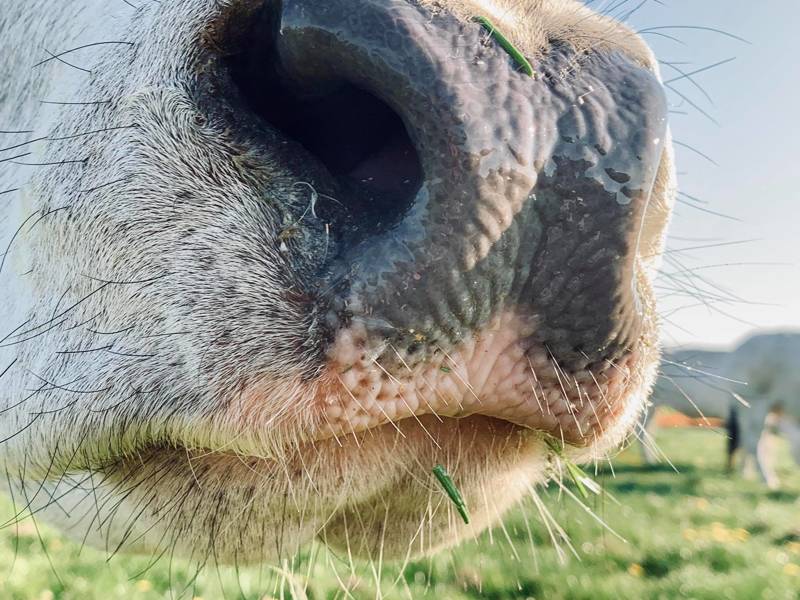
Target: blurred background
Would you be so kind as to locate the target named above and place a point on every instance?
(731, 267)
(680, 525)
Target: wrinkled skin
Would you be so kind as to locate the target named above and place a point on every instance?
(272, 262)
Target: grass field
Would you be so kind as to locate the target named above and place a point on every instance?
(694, 534)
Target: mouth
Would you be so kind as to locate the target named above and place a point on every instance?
(500, 373)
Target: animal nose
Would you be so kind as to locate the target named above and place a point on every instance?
(465, 186)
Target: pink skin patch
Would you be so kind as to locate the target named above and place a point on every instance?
(499, 372)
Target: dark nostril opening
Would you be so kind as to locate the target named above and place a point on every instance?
(357, 137)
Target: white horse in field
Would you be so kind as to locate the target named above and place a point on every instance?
(752, 388)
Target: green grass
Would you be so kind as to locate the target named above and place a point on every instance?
(697, 534)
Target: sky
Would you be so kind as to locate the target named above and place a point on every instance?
(726, 276)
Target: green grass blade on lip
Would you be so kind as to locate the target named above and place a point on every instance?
(578, 476)
(452, 491)
(506, 45)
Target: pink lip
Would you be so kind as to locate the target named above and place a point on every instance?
(496, 373)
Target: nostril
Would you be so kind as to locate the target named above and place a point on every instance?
(356, 136)
(473, 190)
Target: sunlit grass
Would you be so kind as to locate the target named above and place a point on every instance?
(697, 534)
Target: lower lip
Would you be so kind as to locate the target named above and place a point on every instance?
(449, 432)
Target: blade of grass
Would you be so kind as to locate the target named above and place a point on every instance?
(578, 476)
(452, 491)
(506, 45)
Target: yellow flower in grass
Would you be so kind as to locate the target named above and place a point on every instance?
(716, 532)
(635, 570)
(719, 533)
(791, 569)
(143, 585)
(740, 535)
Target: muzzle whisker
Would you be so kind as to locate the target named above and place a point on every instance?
(407, 405)
(559, 372)
(456, 373)
(552, 527)
(645, 435)
(533, 381)
(591, 405)
(591, 513)
(378, 404)
(333, 431)
(425, 380)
